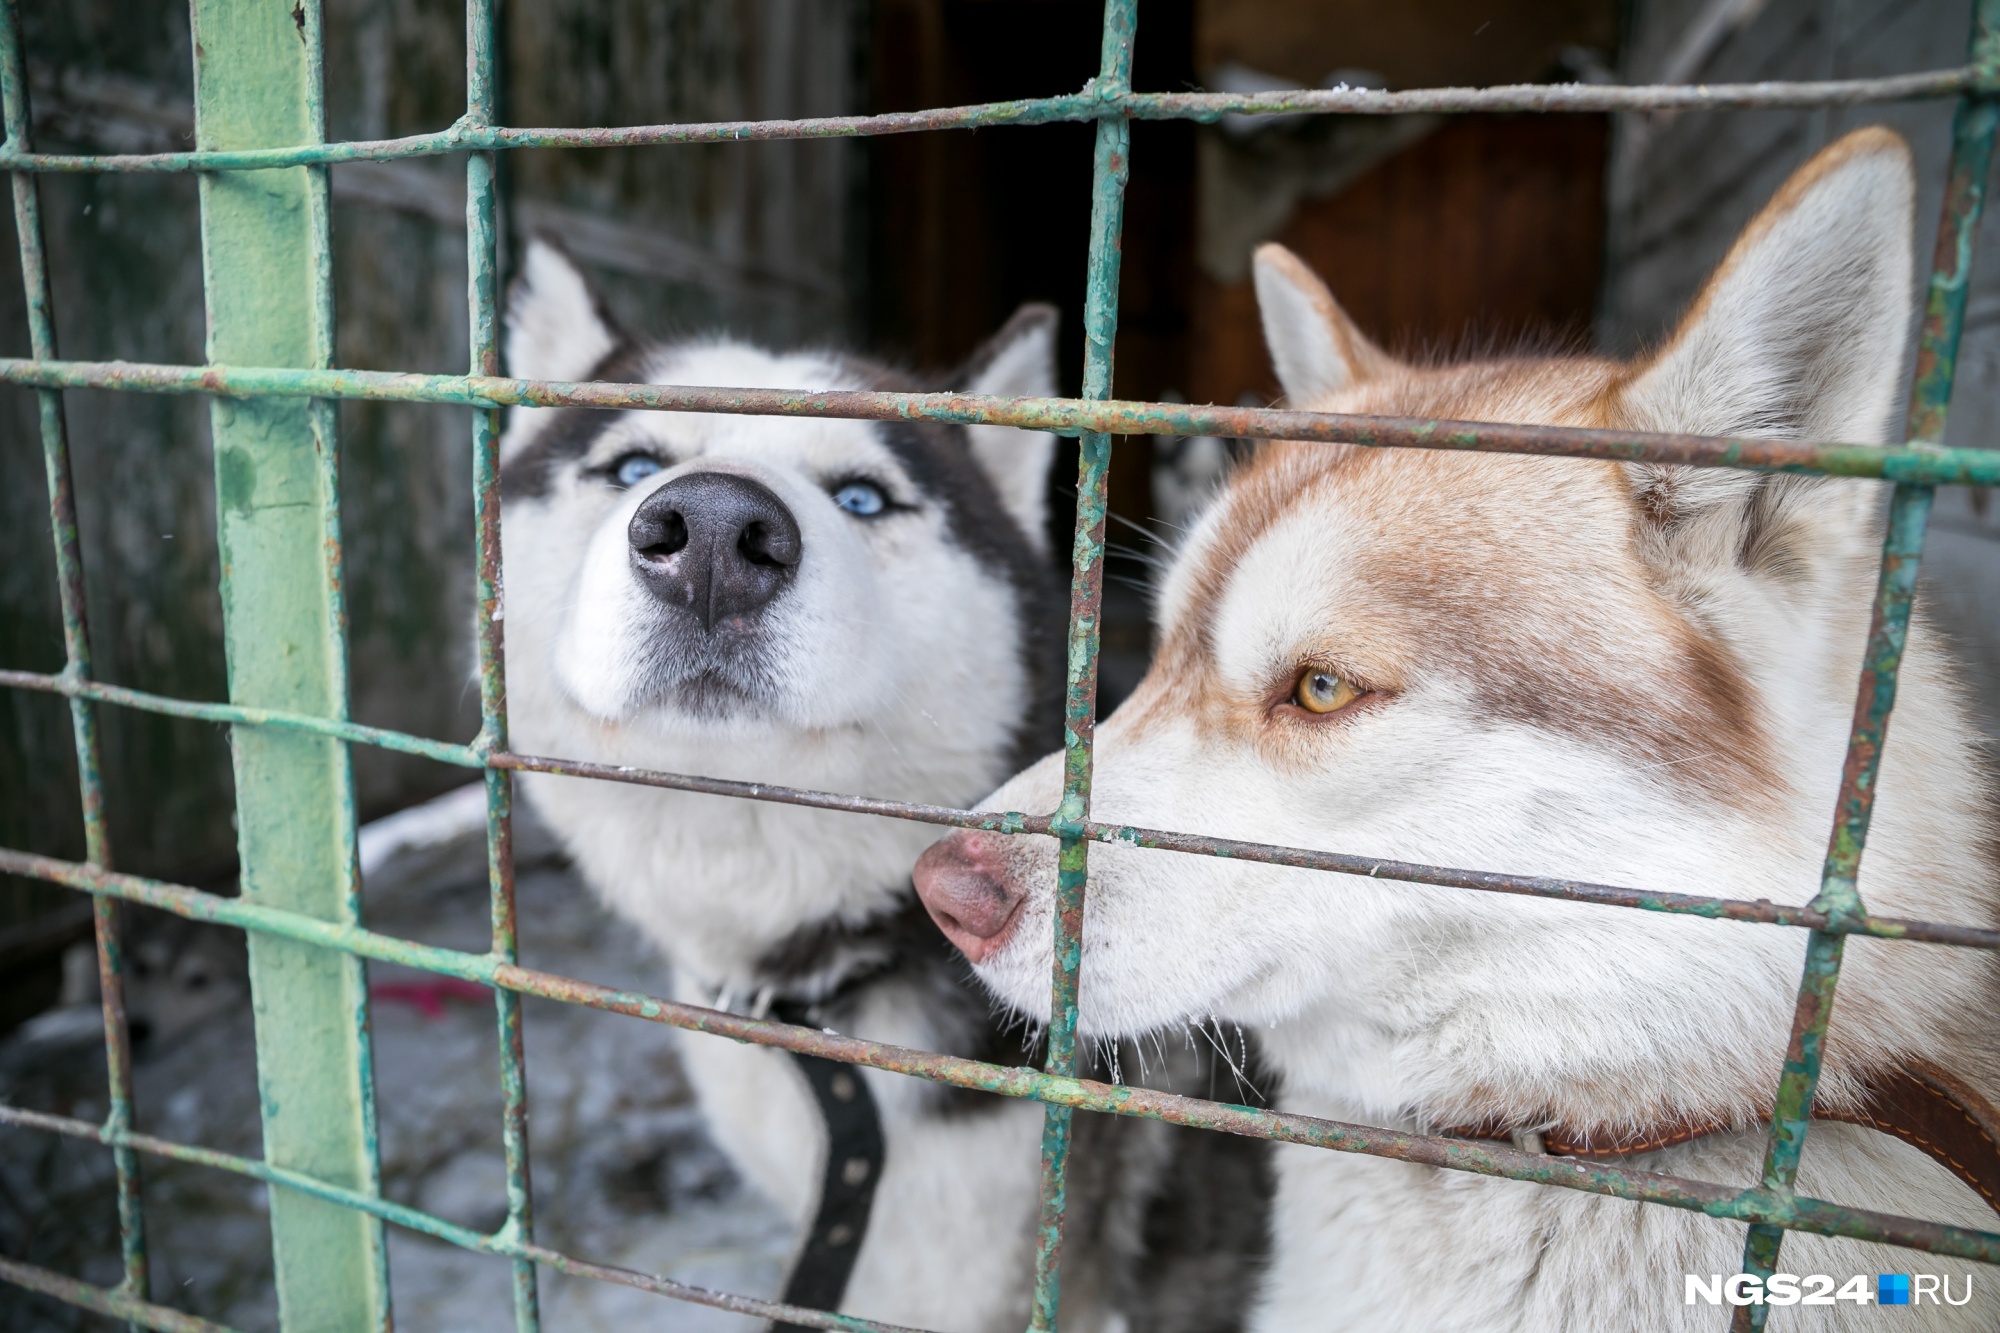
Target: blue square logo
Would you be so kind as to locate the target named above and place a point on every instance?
(1892, 1289)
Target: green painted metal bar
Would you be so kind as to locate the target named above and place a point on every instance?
(1714, 1200)
(482, 261)
(1973, 127)
(1110, 169)
(265, 257)
(1091, 104)
(464, 756)
(503, 1242)
(1065, 416)
(18, 124)
(115, 1303)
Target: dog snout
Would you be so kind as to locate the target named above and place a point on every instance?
(716, 544)
(965, 886)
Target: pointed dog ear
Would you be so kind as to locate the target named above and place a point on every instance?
(1315, 348)
(556, 330)
(1017, 362)
(1799, 334)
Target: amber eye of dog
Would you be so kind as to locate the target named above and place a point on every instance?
(1323, 692)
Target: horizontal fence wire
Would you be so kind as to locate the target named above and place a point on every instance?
(1925, 465)
(1714, 1200)
(502, 1243)
(112, 1302)
(990, 821)
(1091, 104)
(1107, 102)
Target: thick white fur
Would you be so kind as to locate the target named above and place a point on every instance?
(554, 326)
(1314, 348)
(895, 675)
(1421, 1007)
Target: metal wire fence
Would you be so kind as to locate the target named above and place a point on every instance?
(263, 170)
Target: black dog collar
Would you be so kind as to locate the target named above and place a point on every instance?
(854, 1154)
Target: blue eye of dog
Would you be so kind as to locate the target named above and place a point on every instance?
(634, 468)
(862, 499)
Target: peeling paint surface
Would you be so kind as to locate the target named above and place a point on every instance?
(1875, 697)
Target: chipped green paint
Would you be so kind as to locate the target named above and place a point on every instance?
(133, 1284)
(482, 247)
(1720, 1201)
(1110, 169)
(465, 756)
(265, 246)
(1958, 232)
(1839, 897)
(1065, 416)
(115, 1303)
(1902, 551)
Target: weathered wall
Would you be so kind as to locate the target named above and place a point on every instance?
(759, 239)
(1682, 189)
(1433, 232)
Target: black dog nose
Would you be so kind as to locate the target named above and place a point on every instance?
(715, 543)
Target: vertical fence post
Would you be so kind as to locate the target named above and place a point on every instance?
(1902, 549)
(76, 649)
(266, 263)
(482, 254)
(1109, 171)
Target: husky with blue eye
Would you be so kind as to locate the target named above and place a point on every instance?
(854, 606)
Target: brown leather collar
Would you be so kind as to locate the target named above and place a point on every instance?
(1916, 1102)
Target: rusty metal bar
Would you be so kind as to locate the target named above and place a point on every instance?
(482, 265)
(1196, 844)
(1973, 127)
(114, 1303)
(465, 756)
(1714, 1200)
(1110, 169)
(1090, 104)
(1065, 416)
(73, 602)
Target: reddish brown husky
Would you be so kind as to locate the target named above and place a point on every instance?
(1637, 675)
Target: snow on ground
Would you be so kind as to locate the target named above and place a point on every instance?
(624, 1172)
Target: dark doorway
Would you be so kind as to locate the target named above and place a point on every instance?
(967, 225)
(1441, 236)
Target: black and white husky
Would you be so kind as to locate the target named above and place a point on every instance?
(844, 605)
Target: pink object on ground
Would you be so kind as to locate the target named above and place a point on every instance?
(429, 996)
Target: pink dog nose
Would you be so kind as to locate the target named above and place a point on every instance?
(967, 892)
